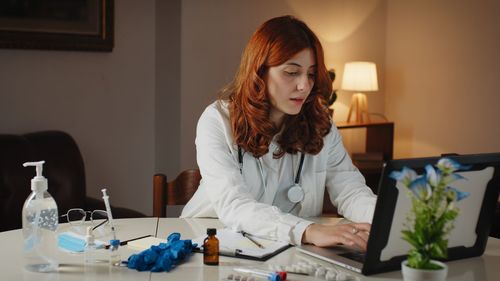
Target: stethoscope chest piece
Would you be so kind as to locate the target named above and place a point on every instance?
(295, 193)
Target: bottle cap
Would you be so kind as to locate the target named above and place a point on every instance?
(114, 242)
(89, 238)
(274, 277)
(211, 231)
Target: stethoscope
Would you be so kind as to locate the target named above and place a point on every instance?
(295, 193)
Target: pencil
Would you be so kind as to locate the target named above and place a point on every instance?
(249, 237)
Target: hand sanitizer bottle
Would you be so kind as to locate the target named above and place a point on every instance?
(40, 221)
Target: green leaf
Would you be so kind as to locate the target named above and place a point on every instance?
(437, 251)
(409, 237)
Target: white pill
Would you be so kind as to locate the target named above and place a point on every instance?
(321, 268)
(341, 276)
(302, 263)
(310, 269)
(329, 268)
(330, 276)
(320, 272)
(331, 273)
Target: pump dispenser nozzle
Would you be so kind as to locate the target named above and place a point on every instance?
(39, 182)
(89, 237)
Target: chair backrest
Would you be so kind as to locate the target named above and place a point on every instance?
(176, 192)
(180, 190)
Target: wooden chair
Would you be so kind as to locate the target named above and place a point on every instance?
(176, 192)
(180, 190)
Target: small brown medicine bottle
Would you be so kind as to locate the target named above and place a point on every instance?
(211, 248)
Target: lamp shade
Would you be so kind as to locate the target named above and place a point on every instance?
(360, 76)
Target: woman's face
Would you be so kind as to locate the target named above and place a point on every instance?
(290, 83)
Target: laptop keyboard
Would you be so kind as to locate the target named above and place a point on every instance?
(357, 256)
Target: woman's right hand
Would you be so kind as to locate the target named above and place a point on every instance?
(352, 234)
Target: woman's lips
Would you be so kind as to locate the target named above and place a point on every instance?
(297, 101)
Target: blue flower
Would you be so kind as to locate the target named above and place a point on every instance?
(420, 188)
(450, 166)
(432, 176)
(406, 175)
(456, 194)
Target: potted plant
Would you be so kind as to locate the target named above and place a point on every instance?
(430, 218)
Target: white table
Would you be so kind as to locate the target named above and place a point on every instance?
(486, 267)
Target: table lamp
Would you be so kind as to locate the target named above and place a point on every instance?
(359, 76)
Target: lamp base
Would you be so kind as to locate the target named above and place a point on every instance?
(359, 106)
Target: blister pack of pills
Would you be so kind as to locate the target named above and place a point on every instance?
(311, 268)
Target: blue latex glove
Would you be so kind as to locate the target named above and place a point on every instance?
(162, 257)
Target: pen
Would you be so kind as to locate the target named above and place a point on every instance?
(249, 237)
(122, 243)
(222, 252)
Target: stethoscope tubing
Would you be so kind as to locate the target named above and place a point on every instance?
(299, 191)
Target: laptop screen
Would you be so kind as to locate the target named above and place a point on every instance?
(386, 248)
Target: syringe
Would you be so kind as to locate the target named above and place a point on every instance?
(105, 197)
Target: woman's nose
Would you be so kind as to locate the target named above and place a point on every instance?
(303, 83)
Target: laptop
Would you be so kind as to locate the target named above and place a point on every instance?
(386, 249)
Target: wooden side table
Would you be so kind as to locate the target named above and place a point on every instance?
(379, 136)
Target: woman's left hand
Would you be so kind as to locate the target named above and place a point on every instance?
(352, 234)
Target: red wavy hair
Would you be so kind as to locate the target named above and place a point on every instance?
(275, 42)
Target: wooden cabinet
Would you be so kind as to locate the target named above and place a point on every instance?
(379, 136)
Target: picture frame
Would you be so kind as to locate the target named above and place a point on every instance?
(85, 25)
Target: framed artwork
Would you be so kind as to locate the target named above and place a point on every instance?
(57, 24)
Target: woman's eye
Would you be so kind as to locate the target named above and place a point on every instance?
(312, 75)
(292, 73)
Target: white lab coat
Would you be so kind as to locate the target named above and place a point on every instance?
(232, 196)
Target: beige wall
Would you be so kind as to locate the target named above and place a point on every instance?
(104, 100)
(168, 87)
(133, 111)
(442, 69)
(214, 34)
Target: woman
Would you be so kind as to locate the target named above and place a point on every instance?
(267, 149)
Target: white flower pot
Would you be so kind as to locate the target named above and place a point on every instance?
(412, 274)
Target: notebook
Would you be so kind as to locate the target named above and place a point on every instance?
(234, 244)
(386, 249)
